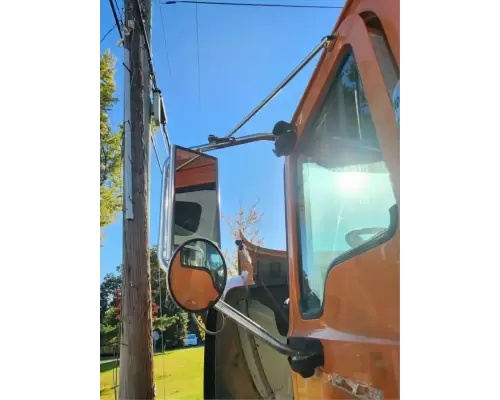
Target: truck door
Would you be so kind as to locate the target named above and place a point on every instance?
(342, 204)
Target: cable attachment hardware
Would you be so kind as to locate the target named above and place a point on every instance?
(327, 39)
(212, 139)
(287, 137)
(127, 29)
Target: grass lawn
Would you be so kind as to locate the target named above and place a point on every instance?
(178, 375)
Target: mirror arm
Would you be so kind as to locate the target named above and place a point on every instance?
(223, 142)
(322, 45)
(254, 329)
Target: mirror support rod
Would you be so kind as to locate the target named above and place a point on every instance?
(221, 143)
(254, 329)
(323, 44)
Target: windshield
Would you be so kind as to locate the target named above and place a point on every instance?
(344, 189)
(342, 208)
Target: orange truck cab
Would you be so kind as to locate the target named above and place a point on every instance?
(333, 295)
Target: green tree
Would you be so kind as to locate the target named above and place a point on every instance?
(161, 323)
(174, 328)
(111, 153)
(177, 329)
(167, 317)
(110, 287)
(108, 335)
(110, 284)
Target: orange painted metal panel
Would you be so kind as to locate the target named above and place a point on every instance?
(359, 326)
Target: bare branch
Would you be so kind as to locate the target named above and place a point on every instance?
(246, 222)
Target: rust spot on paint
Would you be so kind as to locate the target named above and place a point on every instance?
(359, 390)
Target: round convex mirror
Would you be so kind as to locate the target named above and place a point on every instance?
(197, 275)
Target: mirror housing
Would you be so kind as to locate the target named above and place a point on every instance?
(197, 275)
(189, 206)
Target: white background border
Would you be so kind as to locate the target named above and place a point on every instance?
(49, 199)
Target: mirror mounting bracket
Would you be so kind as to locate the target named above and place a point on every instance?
(286, 134)
(216, 143)
(313, 357)
(304, 355)
(212, 139)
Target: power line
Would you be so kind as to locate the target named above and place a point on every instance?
(219, 3)
(165, 40)
(168, 67)
(108, 32)
(115, 16)
(121, 14)
(151, 67)
(162, 341)
(118, 20)
(156, 153)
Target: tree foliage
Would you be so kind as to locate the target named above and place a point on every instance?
(174, 329)
(109, 313)
(110, 284)
(111, 154)
(167, 318)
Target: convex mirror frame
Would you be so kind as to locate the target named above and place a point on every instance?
(197, 275)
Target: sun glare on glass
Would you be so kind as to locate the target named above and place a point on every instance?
(352, 182)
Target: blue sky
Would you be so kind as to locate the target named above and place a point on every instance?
(244, 53)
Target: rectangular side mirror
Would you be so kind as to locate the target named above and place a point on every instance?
(190, 201)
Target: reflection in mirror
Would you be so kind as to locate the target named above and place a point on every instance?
(196, 210)
(197, 275)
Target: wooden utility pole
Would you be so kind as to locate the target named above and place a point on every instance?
(136, 349)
